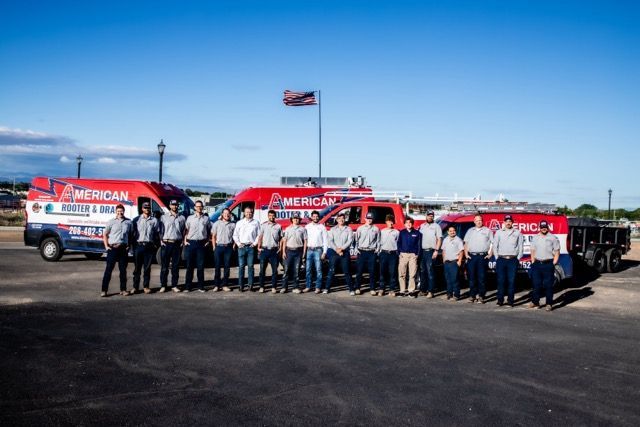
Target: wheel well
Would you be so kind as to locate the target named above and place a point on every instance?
(48, 233)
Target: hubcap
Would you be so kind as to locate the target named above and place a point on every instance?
(49, 249)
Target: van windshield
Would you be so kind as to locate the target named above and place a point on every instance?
(218, 209)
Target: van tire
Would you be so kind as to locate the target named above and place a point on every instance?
(614, 260)
(50, 249)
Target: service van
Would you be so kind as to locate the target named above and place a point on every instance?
(528, 224)
(69, 214)
(302, 198)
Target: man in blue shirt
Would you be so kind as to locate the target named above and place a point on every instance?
(409, 246)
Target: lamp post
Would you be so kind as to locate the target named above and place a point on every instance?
(79, 160)
(161, 148)
(610, 191)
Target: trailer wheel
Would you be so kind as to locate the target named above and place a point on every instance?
(599, 261)
(614, 260)
(50, 249)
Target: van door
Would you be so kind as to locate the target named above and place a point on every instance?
(237, 211)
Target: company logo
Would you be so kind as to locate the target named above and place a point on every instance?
(78, 195)
(524, 227)
(279, 202)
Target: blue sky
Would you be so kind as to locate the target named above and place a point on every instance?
(536, 100)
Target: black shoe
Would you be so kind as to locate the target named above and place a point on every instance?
(500, 303)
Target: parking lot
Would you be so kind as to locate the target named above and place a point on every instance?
(70, 357)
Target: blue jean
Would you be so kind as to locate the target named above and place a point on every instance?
(245, 258)
(170, 255)
(269, 256)
(115, 256)
(477, 271)
(427, 276)
(451, 276)
(143, 255)
(195, 252)
(291, 265)
(314, 260)
(222, 256)
(389, 270)
(366, 259)
(344, 261)
(542, 276)
(506, 270)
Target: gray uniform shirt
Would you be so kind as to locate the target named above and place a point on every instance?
(172, 226)
(430, 235)
(545, 246)
(271, 233)
(223, 231)
(340, 237)
(118, 231)
(478, 239)
(389, 239)
(146, 228)
(451, 248)
(198, 227)
(296, 235)
(368, 237)
(508, 243)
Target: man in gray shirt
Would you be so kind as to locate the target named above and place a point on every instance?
(145, 228)
(294, 248)
(507, 248)
(452, 253)
(477, 250)
(388, 255)
(222, 244)
(116, 237)
(269, 248)
(172, 226)
(431, 241)
(196, 241)
(545, 252)
(368, 244)
(340, 239)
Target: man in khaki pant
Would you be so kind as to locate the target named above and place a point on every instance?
(409, 245)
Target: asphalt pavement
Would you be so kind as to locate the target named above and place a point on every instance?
(72, 358)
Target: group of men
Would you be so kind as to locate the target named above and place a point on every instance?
(399, 254)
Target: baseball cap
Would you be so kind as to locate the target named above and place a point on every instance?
(508, 218)
(173, 202)
(295, 215)
(544, 224)
(146, 205)
(369, 215)
(430, 213)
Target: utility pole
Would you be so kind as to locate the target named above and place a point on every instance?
(609, 211)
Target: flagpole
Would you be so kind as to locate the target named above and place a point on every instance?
(319, 138)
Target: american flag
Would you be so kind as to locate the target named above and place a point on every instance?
(296, 99)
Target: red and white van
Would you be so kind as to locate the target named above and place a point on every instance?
(287, 200)
(528, 224)
(69, 214)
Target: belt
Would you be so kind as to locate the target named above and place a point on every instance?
(428, 249)
(388, 252)
(117, 245)
(271, 248)
(365, 250)
(144, 243)
(506, 256)
(294, 249)
(223, 244)
(313, 248)
(196, 240)
(544, 261)
(478, 253)
(450, 260)
(169, 241)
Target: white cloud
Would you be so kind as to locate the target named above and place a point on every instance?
(106, 160)
(65, 159)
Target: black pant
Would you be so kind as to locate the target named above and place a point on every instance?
(116, 255)
(389, 270)
(269, 256)
(543, 277)
(170, 255)
(143, 254)
(345, 262)
(291, 265)
(195, 258)
(223, 258)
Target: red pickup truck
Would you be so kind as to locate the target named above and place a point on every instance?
(356, 212)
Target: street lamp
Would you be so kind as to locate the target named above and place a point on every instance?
(161, 148)
(79, 160)
(610, 191)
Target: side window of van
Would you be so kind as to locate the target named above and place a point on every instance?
(156, 209)
(380, 213)
(237, 213)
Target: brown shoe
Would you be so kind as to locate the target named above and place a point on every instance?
(471, 300)
(274, 291)
(103, 294)
(358, 292)
(391, 294)
(176, 289)
(162, 290)
(124, 293)
(549, 307)
(429, 295)
(373, 293)
(380, 293)
(423, 294)
(480, 300)
(215, 289)
(147, 290)
(226, 289)
(532, 305)
(305, 290)
(261, 290)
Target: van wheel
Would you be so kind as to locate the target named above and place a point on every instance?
(93, 255)
(50, 249)
(614, 260)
